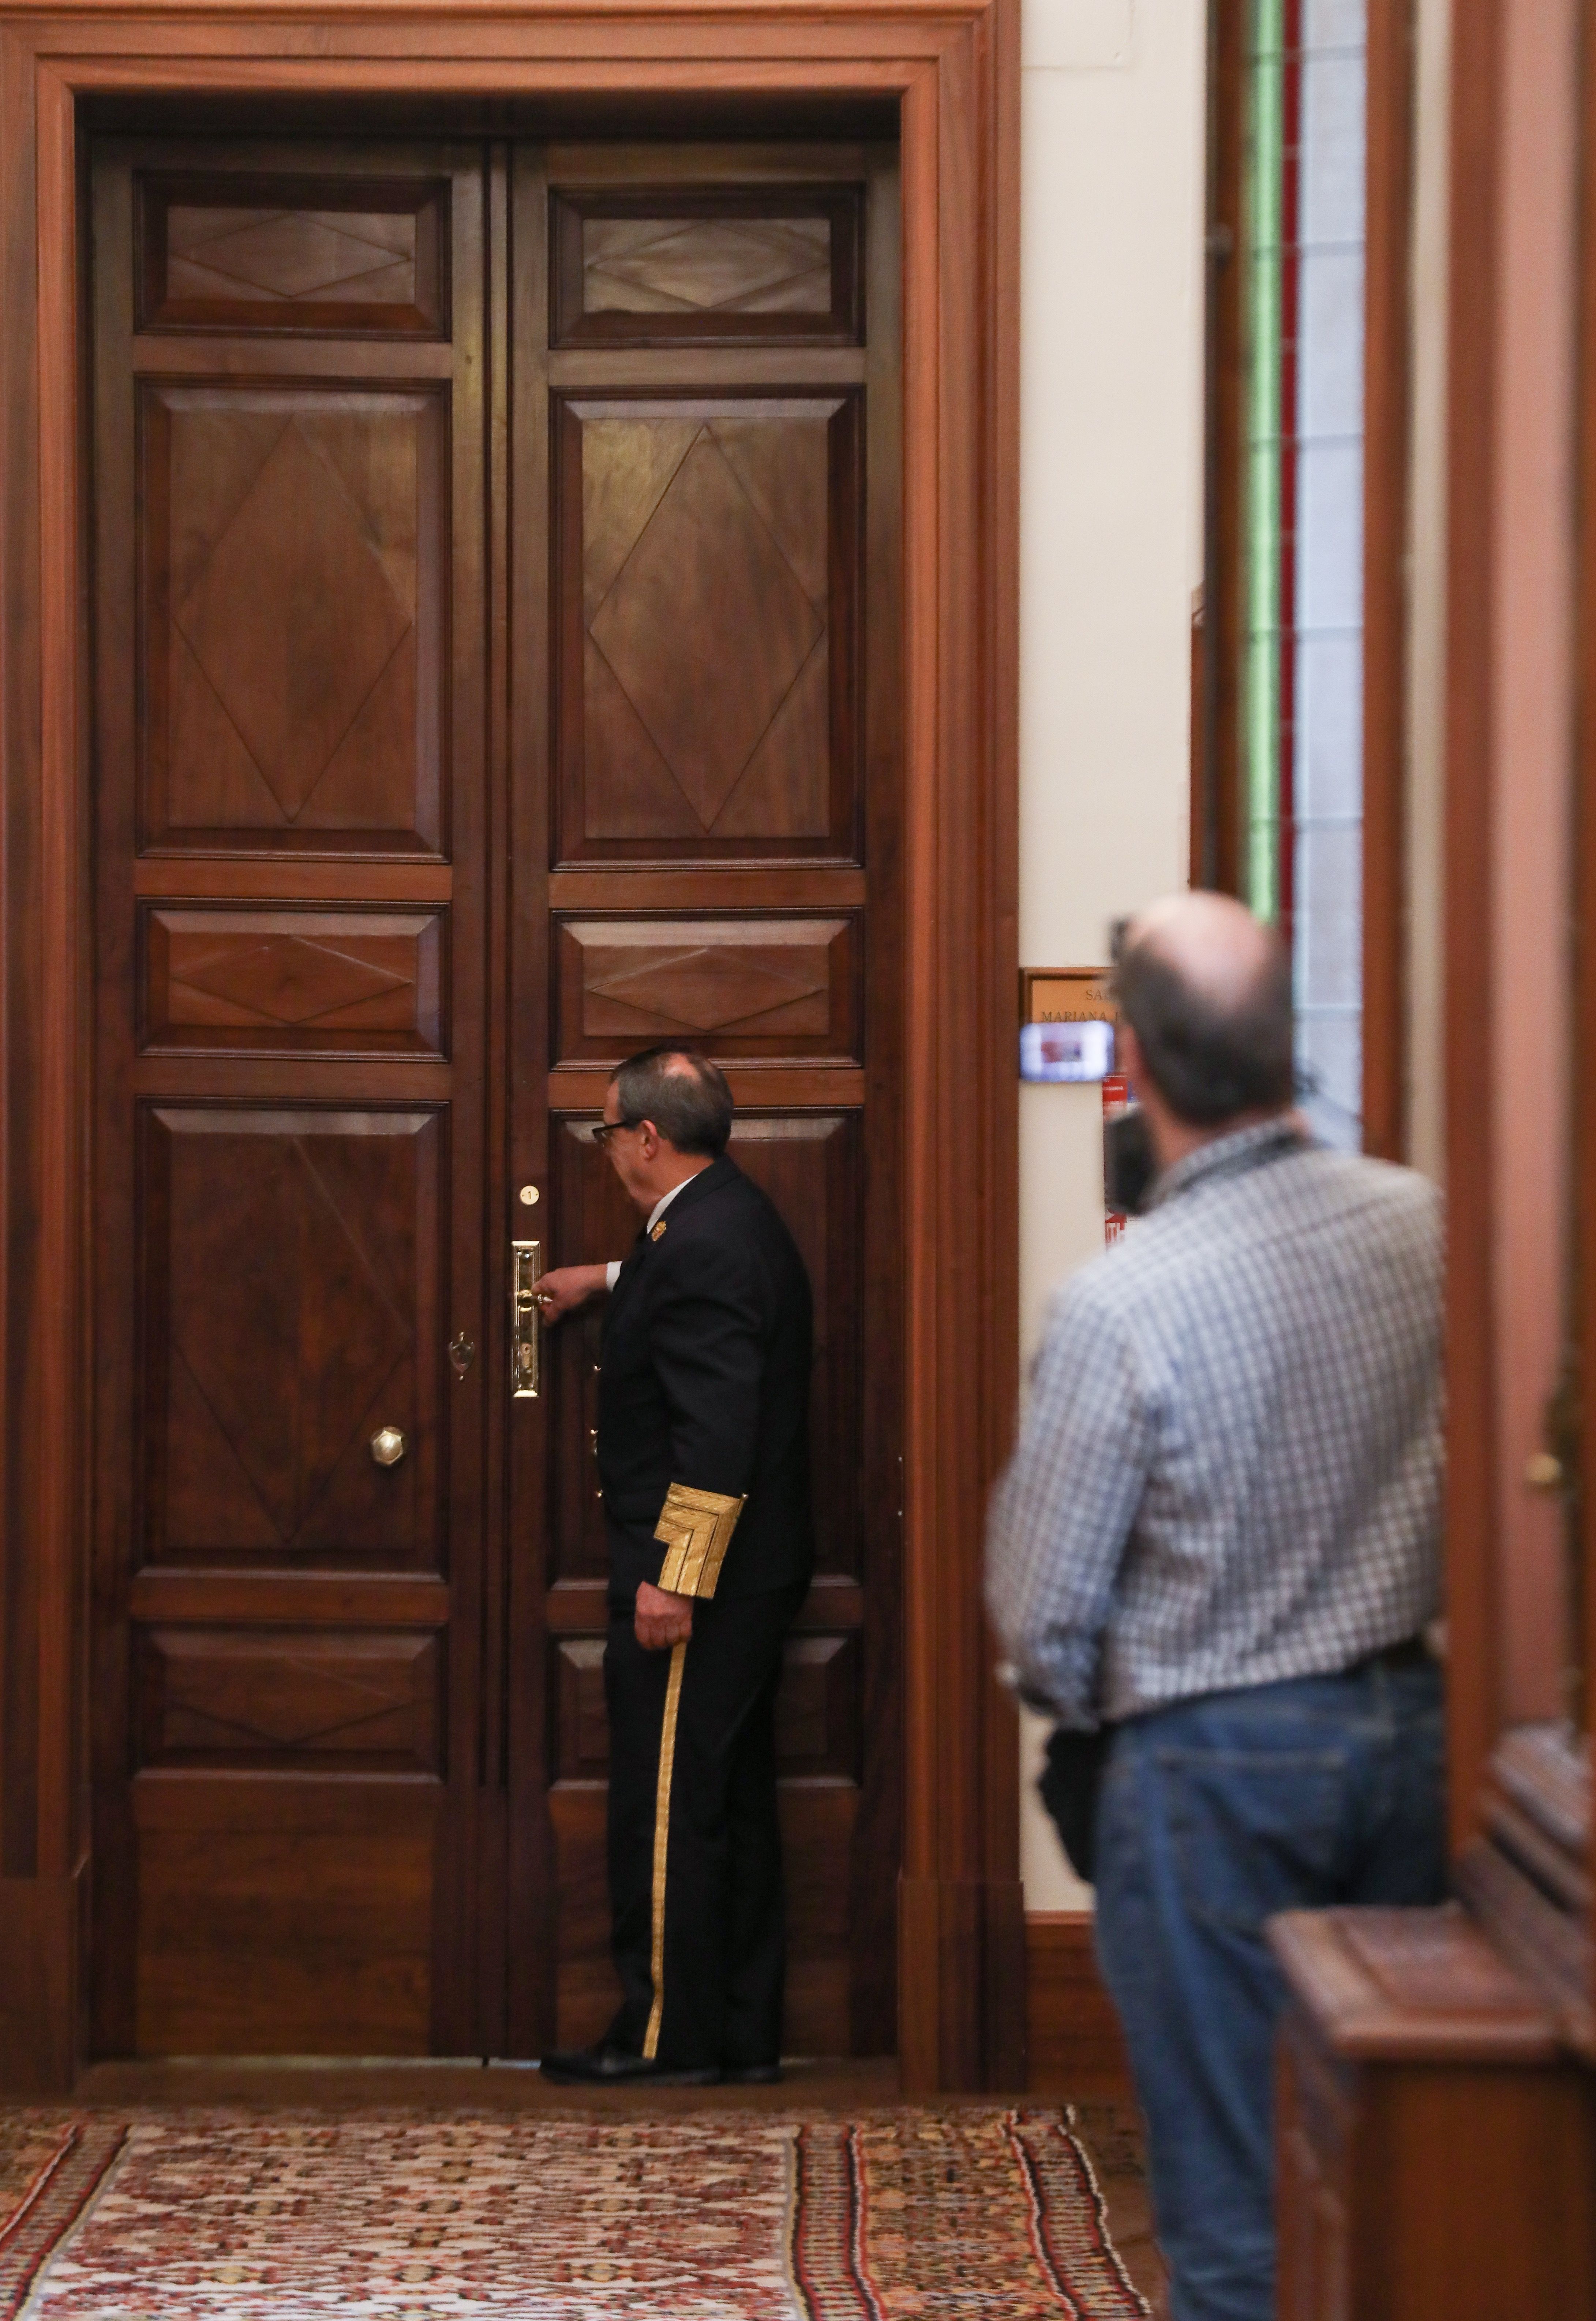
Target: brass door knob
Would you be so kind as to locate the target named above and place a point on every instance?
(387, 1446)
(1544, 1471)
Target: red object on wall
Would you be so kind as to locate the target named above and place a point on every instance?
(1116, 1098)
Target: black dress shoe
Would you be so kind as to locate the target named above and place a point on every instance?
(608, 2066)
(750, 2075)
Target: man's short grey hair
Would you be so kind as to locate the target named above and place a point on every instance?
(1209, 1060)
(683, 1093)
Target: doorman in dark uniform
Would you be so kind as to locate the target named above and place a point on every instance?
(703, 1461)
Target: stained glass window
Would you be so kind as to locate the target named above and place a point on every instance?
(1303, 525)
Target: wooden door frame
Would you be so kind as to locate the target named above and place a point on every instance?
(953, 67)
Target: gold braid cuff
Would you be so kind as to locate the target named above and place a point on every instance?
(696, 1527)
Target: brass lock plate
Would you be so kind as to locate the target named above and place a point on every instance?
(526, 1263)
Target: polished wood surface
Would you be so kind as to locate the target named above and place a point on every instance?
(295, 1237)
(1437, 2148)
(777, 987)
(1388, 324)
(288, 1264)
(707, 612)
(290, 667)
(1516, 819)
(294, 1913)
(1582, 1606)
(1072, 2040)
(1404, 1986)
(319, 253)
(1437, 2127)
(710, 556)
(953, 76)
(1474, 1640)
(1554, 1798)
(306, 982)
(327, 504)
(367, 1699)
(683, 265)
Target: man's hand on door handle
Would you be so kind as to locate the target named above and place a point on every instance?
(661, 1619)
(561, 1292)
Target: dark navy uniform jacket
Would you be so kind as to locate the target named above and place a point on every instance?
(704, 1380)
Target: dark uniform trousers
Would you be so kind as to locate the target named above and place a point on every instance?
(695, 1845)
(704, 1458)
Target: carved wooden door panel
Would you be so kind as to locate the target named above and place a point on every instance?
(496, 597)
(291, 798)
(706, 448)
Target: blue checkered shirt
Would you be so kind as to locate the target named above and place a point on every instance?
(1230, 1471)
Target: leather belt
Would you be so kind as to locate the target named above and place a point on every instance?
(1412, 1653)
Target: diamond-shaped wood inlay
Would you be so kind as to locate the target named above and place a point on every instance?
(290, 684)
(744, 986)
(216, 1696)
(708, 574)
(747, 266)
(699, 989)
(287, 981)
(294, 1252)
(291, 255)
(333, 1331)
(255, 978)
(224, 249)
(705, 587)
(626, 470)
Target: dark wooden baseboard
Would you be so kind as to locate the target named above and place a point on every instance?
(1073, 2042)
(39, 1926)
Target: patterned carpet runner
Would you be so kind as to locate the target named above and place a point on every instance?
(887, 2216)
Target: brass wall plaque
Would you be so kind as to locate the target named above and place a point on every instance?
(1066, 994)
(1067, 1024)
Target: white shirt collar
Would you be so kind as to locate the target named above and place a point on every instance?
(665, 1200)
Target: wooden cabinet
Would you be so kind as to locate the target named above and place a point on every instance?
(1435, 2142)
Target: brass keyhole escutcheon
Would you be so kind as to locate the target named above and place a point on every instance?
(462, 1352)
(387, 1446)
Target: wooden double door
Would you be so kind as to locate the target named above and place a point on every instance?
(495, 641)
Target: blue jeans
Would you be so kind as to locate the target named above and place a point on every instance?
(1214, 1815)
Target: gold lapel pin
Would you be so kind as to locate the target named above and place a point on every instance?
(657, 1231)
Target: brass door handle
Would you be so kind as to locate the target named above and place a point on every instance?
(387, 1446)
(526, 1263)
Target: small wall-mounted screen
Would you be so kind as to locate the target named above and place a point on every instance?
(1067, 1051)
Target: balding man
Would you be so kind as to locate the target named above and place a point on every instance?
(703, 1461)
(1219, 1540)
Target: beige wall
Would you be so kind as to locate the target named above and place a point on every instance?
(1110, 552)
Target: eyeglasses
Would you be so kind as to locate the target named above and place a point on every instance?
(605, 1129)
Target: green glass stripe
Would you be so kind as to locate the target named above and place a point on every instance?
(1263, 295)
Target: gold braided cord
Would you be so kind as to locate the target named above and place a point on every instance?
(667, 1758)
(696, 1528)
